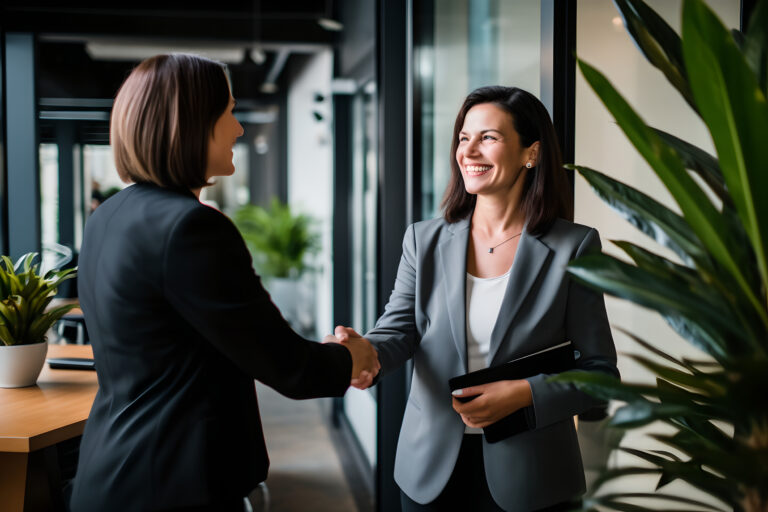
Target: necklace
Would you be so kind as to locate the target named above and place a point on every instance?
(490, 249)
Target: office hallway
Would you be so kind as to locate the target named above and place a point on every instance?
(305, 472)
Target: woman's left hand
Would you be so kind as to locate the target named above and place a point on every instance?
(492, 402)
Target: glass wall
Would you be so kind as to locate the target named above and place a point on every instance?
(603, 42)
(360, 406)
(461, 45)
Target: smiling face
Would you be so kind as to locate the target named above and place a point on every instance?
(220, 144)
(490, 156)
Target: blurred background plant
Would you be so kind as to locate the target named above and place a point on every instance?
(714, 293)
(278, 239)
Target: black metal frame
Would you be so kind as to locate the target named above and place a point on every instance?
(3, 164)
(395, 179)
(558, 71)
(22, 165)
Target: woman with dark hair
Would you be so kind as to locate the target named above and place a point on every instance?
(180, 324)
(483, 285)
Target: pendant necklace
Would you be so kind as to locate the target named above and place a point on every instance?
(490, 249)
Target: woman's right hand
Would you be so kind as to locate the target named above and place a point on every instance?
(365, 359)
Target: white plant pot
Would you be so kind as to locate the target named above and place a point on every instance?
(20, 365)
(295, 300)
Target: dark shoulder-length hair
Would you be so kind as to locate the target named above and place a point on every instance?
(162, 118)
(546, 192)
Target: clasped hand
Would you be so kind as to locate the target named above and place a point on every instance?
(365, 359)
(492, 402)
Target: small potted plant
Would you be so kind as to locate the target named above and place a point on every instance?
(24, 296)
(279, 240)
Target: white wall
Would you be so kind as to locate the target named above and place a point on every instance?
(310, 171)
(603, 42)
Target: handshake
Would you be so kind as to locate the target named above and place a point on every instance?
(365, 359)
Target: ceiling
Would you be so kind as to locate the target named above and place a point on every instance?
(86, 49)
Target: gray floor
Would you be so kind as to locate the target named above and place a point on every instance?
(305, 472)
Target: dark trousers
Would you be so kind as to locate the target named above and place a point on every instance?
(467, 489)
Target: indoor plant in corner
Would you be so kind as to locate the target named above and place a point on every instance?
(279, 241)
(715, 294)
(24, 295)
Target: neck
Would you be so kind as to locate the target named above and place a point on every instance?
(496, 215)
(197, 191)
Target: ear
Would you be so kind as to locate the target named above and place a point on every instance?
(532, 153)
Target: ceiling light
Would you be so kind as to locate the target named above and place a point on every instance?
(138, 51)
(268, 88)
(258, 56)
(330, 24)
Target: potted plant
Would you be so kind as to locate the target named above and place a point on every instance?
(24, 296)
(280, 241)
(714, 296)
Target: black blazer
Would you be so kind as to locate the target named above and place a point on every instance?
(180, 326)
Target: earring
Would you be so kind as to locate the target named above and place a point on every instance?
(528, 165)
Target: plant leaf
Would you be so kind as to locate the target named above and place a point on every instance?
(658, 42)
(735, 110)
(755, 45)
(699, 161)
(648, 215)
(615, 277)
(698, 211)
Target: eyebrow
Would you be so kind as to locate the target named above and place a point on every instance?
(485, 131)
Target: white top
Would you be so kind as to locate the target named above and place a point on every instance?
(484, 296)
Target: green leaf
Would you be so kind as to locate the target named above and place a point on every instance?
(43, 322)
(755, 45)
(5, 335)
(656, 350)
(614, 473)
(608, 274)
(648, 215)
(638, 414)
(697, 209)
(735, 110)
(655, 496)
(698, 382)
(699, 161)
(601, 385)
(658, 42)
(692, 473)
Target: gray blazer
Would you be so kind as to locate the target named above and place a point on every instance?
(425, 319)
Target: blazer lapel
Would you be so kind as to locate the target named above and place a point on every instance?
(453, 257)
(529, 260)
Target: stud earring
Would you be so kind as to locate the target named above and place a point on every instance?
(528, 165)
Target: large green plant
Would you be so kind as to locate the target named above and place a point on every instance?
(277, 238)
(715, 295)
(24, 295)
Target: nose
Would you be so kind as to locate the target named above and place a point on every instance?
(471, 147)
(240, 132)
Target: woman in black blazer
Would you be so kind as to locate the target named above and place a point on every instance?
(179, 322)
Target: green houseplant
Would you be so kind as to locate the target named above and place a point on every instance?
(714, 296)
(24, 321)
(278, 239)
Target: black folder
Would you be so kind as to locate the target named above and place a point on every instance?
(555, 359)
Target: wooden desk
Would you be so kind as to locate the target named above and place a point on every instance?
(40, 416)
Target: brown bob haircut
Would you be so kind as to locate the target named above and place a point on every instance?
(546, 193)
(163, 117)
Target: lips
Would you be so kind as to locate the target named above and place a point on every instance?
(477, 170)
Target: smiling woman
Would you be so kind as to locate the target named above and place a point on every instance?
(223, 137)
(481, 286)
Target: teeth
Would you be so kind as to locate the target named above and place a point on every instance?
(478, 168)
